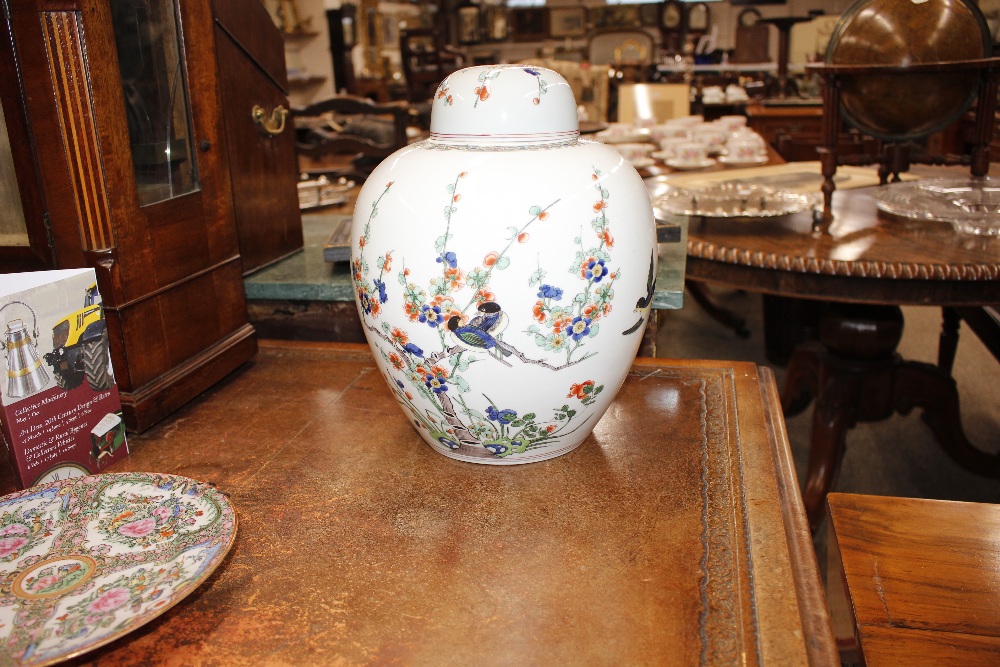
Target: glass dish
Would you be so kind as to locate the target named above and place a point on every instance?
(732, 199)
(971, 205)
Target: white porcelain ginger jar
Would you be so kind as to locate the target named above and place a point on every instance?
(504, 269)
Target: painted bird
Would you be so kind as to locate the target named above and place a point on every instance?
(481, 331)
(644, 301)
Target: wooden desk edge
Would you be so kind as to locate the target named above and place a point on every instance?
(815, 616)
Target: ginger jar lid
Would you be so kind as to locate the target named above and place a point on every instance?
(504, 105)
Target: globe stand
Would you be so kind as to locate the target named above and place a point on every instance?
(897, 157)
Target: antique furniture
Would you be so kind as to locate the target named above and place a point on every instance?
(864, 258)
(899, 75)
(629, 52)
(783, 86)
(259, 140)
(913, 581)
(350, 126)
(124, 166)
(426, 61)
(675, 534)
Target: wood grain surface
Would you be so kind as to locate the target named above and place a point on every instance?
(921, 577)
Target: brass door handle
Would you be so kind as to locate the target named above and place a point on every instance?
(274, 125)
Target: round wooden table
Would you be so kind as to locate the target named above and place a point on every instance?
(856, 273)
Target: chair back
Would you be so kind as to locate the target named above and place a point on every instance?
(345, 129)
(426, 61)
(621, 48)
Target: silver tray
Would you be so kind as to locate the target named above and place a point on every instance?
(970, 205)
(732, 199)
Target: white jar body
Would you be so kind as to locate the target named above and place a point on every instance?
(504, 292)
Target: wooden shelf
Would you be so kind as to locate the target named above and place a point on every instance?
(303, 81)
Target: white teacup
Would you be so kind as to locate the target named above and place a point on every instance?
(669, 146)
(667, 131)
(744, 149)
(691, 153)
(712, 135)
(732, 123)
(634, 151)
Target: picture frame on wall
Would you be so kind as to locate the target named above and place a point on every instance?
(567, 21)
(527, 24)
(615, 16)
(468, 24)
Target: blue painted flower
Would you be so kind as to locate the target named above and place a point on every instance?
(579, 328)
(550, 292)
(594, 269)
(400, 384)
(532, 71)
(496, 448)
(414, 350)
(449, 258)
(431, 315)
(380, 286)
(501, 416)
(448, 442)
(435, 383)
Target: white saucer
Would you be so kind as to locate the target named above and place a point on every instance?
(735, 162)
(661, 155)
(630, 137)
(642, 162)
(689, 166)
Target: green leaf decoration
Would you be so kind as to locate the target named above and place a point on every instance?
(535, 210)
(502, 263)
(594, 328)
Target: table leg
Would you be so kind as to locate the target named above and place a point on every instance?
(855, 375)
(704, 297)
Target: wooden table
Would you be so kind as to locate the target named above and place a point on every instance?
(873, 263)
(914, 582)
(673, 535)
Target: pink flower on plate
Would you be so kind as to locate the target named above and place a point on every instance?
(109, 600)
(42, 583)
(139, 528)
(14, 529)
(162, 513)
(9, 545)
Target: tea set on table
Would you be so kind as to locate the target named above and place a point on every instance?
(687, 143)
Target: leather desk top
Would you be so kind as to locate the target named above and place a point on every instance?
(674, 535)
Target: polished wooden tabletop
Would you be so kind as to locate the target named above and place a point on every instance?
(913, 581)
(865, 256)
(673, 535)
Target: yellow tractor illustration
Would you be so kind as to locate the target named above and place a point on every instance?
(80, 346)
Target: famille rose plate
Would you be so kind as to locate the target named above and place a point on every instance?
(86, 560)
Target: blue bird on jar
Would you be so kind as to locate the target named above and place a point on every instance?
(482, 331)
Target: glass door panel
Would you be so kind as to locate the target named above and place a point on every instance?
(150, 58)
(13, 230)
